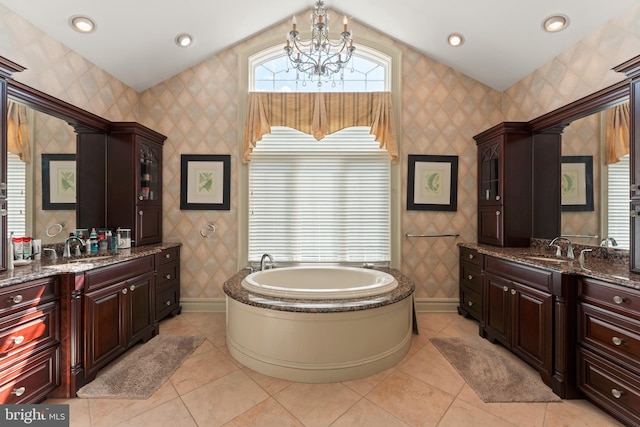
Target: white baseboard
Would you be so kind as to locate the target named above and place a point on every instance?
(217, 305)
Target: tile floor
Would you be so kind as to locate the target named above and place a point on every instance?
(211, 389)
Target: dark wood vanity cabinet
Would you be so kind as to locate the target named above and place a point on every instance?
(609, 347)
(504, 185)
(519, 311)
(168, 283)
(119, 310)
(29, 340)
(471, 284)
(134, 181)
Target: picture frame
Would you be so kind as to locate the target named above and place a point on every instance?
(432, 183)
(576, 183)
(59, 181)
(205, 182)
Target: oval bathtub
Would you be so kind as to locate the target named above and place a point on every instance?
(321, 335)
(320, 282)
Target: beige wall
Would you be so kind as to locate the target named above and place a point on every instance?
(198, 111)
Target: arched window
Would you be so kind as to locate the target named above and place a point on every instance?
(369, 71)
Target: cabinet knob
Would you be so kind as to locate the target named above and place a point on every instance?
(18, 340)
(513, 291)
(3, 212)
(140, 198)
(505, 288)
(616, 393)
(497, 213)
(470, 303)
(497, 197)
(17, 299)
(124, 291)
(167, 256)
(132, 287)
(3, 185)
(168, 302)
(18, 391)
(168, 277)
(470, 277)
(470, 256)
(616, 341)
(140, 213)
(618, 299)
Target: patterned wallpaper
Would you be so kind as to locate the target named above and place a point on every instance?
(198, 111)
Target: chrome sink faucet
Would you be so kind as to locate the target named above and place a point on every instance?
(570, 253)
(263, 264)
(67, 250)
(609, 241)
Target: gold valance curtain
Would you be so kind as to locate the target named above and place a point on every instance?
(18, 132)
(320, 114)
(617, 133)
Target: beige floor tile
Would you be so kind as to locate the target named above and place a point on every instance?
(200, 369)
(462, 414)
(363, 386)
(266, 414)
(225, 350)
(413, 401)
(431, 367)
(109, 412)
(460, 327)
(79, 415)
(367, 414)
(177, 325)
(204, 347)
(434, 322)
(317, 404)
(271, 385)
(172, 413)
(530, 414)
(570, 413)
(222, 400)
(211, 325)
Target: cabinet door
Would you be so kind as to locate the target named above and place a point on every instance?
(149, 177)
(148, 225)
(490, 225)
(497, 310)
(140, 306)
(490, 171)
(532, 326)
(105, 332)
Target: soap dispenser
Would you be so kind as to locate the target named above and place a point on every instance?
(93, 240)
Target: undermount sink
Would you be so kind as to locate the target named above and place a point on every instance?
(547, 259)
(90, 259)
(77, 262)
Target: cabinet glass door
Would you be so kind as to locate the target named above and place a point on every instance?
(490, 173)
(149, 173)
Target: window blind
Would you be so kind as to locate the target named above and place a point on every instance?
(16, 199)
(319, 201)
(618, 204)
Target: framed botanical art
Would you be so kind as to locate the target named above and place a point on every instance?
(432, 183)
(58, 181)
(576, 183)
(205, 182)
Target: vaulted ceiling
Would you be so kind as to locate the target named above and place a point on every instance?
(134, 40)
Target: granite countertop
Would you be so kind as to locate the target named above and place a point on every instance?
(233, 289)
(46, 267)
(603, 263)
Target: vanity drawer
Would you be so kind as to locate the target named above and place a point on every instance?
(167, 274)
(167, 301)
(609, 386)
(534, 277)
(471, 301)
(610, 296)
(470, 255)
(28, 329)
(30, 380)
(168, 255)
(471, 276)
(104, 276)
(29, 294)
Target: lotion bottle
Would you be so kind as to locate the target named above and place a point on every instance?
(10, 253)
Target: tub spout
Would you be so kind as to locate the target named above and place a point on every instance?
(263, 264)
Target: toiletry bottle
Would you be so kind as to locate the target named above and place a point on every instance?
(10, 253)
(93, 239)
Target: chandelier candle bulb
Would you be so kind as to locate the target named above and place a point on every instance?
(345, 22)
(294, 22)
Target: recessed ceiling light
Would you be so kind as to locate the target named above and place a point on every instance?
(555, 23)
(183, 40)
(82, 24)
(455, 39)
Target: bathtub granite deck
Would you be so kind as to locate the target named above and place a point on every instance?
(233, 289)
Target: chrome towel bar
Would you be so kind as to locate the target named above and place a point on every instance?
(432, 235)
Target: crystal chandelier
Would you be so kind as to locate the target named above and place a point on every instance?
(319, 57)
